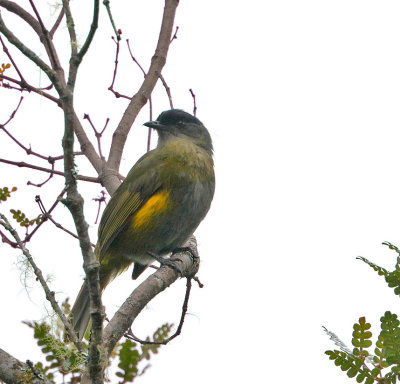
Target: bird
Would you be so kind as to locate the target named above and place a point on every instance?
(158, 206)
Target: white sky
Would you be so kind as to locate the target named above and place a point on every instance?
(302, 101)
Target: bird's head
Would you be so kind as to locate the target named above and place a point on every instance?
(175, 123)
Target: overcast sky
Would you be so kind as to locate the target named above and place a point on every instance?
(302, 101)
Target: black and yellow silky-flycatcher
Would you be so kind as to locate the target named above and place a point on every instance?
(157, 207)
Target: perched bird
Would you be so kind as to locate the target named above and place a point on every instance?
(157, 207)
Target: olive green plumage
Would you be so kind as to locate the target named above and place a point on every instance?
(158, 206)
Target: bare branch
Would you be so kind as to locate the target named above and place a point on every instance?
(47, 215)
(22, 164)
(50, 296)
(117, 32)
(194, 101)
(111, 87)
(97, 133)
(11, 370)
(74, 203)
(92, 31)
(150, 101)
(7, 52)
(47, 42)
(39, 185)
(142, 96)
(71, 27)
(175, 34)
(2, 126)
(131, 336)
(134, 59)
(167, 89)
(24, 49)
(146, 291)
(57, 23)
(24, 15)
(26, 87)
(150, 129)
(100, 199)
(44, 219)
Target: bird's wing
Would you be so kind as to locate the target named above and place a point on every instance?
(140, 184)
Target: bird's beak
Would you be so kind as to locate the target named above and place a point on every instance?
(154, 124)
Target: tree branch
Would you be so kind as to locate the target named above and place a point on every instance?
(57, 23)
(47, 43)
(71, 27)
(30, 88)
(92, 31)
(74, 202)
(50, 296)
(24, 15)
(140, 98)
(12, 370)
(145, 292)
(22, 164)
(25, 50)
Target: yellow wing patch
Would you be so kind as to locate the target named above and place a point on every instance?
(156, 204)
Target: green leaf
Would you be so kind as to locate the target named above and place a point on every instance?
(381, 271)
(5, 193)
(390, 337)
(361, 336)
(128, 361)
(352, 372)
(360, 378)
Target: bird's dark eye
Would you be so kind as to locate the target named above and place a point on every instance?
(180, 123)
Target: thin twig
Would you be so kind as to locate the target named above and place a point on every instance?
(142, 95)
(92, 31)
(25, 50)
(194, 101)
(111, 87)
(100, 199)
(97, 133)
(46, 215)
(30, 88)
(39, 185)
(22, 164)
(117, 32)
(2, 126)
(134, 59)
(6, 240)
(7, 52)
(46, 40)
(167, 89)
(175, 35)
(57, 23)
(131, 336)
(150, 129)
(74, 202)
(29, 236)
(71, 27)
(150, 100)
(50, 295)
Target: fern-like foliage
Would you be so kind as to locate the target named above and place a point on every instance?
(23, 221)
(382, 366)
(63, 361)
(5, 193)
(392, 278)
(61, 357)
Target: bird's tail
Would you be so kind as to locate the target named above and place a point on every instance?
(80, 312)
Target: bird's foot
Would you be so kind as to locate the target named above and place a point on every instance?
(166, 262)
(193, 252)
